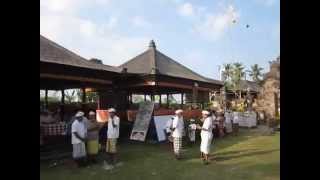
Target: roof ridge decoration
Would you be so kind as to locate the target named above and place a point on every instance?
(152, 61)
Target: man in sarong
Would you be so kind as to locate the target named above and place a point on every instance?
(206, 136)
(177, 133)
(79, 135)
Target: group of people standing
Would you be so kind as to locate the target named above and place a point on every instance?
(85, 134)
(85, 138)
(213, 124)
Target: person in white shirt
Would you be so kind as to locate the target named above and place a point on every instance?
(206, 136)
(113, 135)
(235, 122)
(78, 139)
(229, 117)
(177, 133)
(192, 131)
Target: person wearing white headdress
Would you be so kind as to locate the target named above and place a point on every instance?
(113, 135)
(206, 136)
(177, 133)
(78, 138)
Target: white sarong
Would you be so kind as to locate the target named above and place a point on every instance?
(205, 145)
(229, 127)
(79, 150)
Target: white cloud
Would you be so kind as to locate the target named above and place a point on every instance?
(140, 22)
(268, 3)
(86, 37)
(214, 26)
(186, 9)
(60, 6)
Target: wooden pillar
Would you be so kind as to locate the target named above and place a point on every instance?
(83, 98)
(98, 100)
(181, 100)
(152, 97)
(46, 99)
(160, 99)
(130, 98)
(62, 105)
(145, 97)
(167, 100)
(62, 96)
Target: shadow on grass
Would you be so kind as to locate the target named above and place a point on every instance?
(224, 158)
(232, 152)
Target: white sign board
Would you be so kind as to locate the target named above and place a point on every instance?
(246, 119)
(141, 124)
(160, 123)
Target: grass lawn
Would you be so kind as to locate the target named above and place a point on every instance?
(248, 156)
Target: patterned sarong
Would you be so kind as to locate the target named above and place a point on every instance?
(111, 145)
(177, 145)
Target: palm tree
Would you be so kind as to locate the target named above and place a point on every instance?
(227, 72)
(255, 73)
(237, 75)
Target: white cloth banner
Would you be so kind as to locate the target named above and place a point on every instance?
(160, 123)
(246, 119)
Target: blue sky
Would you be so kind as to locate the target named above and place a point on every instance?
(201, 34)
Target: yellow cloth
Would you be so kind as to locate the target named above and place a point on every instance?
(92, 147)
(111, 145)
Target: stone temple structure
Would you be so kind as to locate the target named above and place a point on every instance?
(268, 101)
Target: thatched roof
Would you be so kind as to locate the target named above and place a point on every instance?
(153, 61)
(253, 86)
(54, 53)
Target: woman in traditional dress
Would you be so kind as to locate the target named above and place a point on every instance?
(93, 137)
(206, 136)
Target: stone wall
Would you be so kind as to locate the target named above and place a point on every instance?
(268, 97)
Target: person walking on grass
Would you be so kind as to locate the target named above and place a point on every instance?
(113, 134)
(177, 133)
(93, 137)
(228, 117)
(78, 139)
(235, 123)
(206, 136)
(192, 131)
